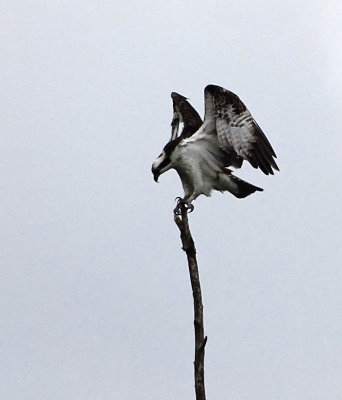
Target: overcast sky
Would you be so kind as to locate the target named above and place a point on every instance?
(95, 296)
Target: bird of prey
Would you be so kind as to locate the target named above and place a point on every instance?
(204, 150)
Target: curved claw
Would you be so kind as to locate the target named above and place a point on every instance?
(177, 211)
(190, 208)
(182, 204)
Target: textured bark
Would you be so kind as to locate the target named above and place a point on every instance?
(188, 246)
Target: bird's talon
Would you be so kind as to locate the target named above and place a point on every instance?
(182, 204)
(177, 211)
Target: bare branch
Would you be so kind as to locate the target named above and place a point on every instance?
(188, 246)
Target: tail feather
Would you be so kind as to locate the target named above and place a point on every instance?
(236, 186)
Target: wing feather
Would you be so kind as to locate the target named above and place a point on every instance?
(236, 129)
(184, 112)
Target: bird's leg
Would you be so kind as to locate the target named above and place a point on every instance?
(181, 203)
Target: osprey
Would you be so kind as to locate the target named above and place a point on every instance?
(204, 150)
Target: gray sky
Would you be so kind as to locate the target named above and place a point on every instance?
(94, 289)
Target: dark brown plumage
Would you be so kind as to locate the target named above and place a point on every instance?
(184, 112)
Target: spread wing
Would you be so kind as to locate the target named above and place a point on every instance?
(236, 129)
(184, 112)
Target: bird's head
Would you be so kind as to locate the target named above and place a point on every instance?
(164, 161)
(160, 165)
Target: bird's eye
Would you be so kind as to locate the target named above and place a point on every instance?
(160, 155)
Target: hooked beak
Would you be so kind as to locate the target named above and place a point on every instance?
(156, 173)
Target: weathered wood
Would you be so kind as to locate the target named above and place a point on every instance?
(188, 246)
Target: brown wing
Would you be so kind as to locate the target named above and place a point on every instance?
(236, 129)
(184, 112)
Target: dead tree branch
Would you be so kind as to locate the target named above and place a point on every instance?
(188, 246)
